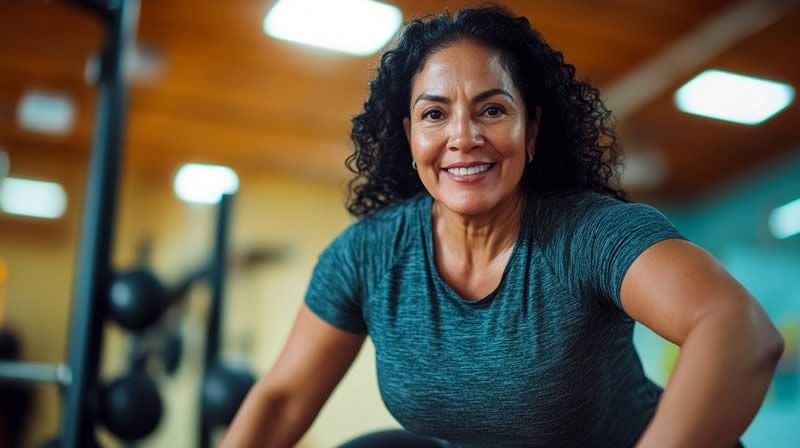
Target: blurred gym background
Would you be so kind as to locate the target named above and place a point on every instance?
(223, 84)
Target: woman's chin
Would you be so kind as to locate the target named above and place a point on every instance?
(483, 202)
(471, 205)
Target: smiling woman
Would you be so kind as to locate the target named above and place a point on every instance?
(576, 144)
(469, 130)
(499, 270)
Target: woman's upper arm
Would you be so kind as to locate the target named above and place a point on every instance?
(313, 361)
(674, 283)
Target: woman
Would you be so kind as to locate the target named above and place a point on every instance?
(499, 271)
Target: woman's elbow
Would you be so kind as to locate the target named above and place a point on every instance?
(766, 344)
(773, 347)
(770, 345)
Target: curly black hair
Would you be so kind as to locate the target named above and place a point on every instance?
(576, 149)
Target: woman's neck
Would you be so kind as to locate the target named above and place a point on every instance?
(480, 239)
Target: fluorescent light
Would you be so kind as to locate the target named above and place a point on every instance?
(784, 221)
(732, 97)
(359, 27)
(203, 183)
(48, 112)
(34, 198)
(4, 166)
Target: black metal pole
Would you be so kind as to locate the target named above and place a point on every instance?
(93, 275)
(219, 259)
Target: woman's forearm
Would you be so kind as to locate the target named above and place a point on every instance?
(265, 420)
(723, 372)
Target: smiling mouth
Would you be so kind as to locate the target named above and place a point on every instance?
(472, 170)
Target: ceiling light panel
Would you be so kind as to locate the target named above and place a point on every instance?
(33, 198)
(204, 183)
(733, 97)
(359, 27)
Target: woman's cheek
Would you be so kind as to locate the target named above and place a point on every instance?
(425, 144)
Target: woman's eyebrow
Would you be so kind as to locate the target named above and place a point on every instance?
(434, 98)
(492, 92)
(477, 98)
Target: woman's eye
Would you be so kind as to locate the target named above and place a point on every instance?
(432, 115)
(493, 111)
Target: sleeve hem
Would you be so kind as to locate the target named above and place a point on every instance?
(348, 326)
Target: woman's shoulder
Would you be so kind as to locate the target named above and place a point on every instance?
(575, 202)
(389, 227)
(552, 211)
(572, 220)
(569, 214)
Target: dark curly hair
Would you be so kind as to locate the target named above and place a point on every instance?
(576, 148)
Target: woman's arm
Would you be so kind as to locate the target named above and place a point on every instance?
(283, 404)
(729, 348)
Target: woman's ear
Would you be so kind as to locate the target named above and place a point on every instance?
(407, 129)
(532, 133)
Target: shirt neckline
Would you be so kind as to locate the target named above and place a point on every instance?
(427, 220)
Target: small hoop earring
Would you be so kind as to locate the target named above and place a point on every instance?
(530, 158)
(414, 164)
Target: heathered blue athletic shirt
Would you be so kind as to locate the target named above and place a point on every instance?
(546, 360)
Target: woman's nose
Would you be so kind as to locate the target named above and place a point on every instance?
(465, 134)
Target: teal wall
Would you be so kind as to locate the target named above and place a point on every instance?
(731, 223)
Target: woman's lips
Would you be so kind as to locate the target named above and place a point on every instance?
(469, 178)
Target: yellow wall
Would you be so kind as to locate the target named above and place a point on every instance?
(278, 210)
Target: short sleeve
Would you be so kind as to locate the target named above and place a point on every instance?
(334, 292)
(593, 239)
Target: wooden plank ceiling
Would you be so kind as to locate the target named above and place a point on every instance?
(231, 94)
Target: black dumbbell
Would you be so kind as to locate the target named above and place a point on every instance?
(224, 390)
(131, 406)
(137, 299)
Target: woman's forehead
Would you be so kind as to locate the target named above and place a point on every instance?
(463, 65)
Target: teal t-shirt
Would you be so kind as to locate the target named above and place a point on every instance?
(546, 360)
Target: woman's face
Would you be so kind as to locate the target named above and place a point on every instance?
(468, 129)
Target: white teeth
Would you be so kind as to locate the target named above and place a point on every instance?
(471, 170)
